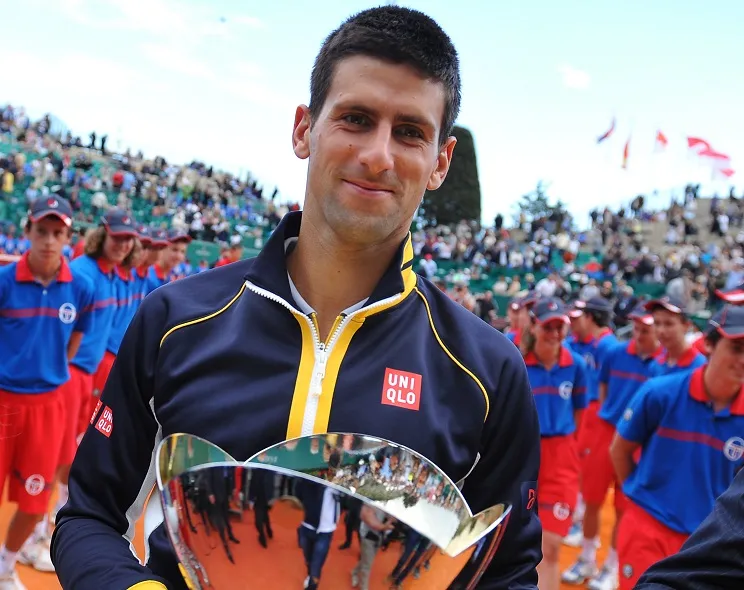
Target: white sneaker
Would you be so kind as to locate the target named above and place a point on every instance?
(575, 535)
(35, 553)
(579, 572)
(11, 581)
(606, 579)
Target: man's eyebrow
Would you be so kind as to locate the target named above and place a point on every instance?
(402, 117)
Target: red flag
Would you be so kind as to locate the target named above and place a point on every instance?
(696, 144)
(661, 141)
(626, 151)
(607, 133)
(722, 174)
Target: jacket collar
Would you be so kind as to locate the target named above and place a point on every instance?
(632, 348)
(564, 359)
(698, 393)
(269, 268)
(23, 273)
(685, 360)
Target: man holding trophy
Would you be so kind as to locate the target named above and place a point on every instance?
(329, 329)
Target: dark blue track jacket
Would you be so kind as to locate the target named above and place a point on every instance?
(227, 356)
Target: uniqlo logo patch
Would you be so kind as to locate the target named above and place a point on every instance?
(95, 412)
(401, 389)
(105, 424)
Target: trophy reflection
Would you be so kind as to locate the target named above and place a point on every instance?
(323, 511)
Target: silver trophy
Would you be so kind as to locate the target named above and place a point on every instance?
(322, 511)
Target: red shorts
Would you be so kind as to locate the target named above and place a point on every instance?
(82, 384)
(641, 542)
(557, 483)
(102, 373)
(32, 429)
(597, 470)
(587, 435)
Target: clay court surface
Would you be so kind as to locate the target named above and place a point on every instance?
(285, 539)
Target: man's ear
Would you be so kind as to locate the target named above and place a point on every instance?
(444, 159)
(301, 132)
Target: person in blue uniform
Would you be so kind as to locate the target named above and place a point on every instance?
(126, 289)
(106, 246)
(591, 338)
(689, 426)
(711, 558)
(170, 258)
(624, 369)
(44, 312)
(153, 242)
(558, 380)
(328, 329)
(672, 324)
(522, 320)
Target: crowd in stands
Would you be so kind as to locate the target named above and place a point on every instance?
(613, 257)
(210, 205)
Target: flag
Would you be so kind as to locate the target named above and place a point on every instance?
(721, 174)
(716, 159)
(696, 144)
(661, 141)
(626, 151)
(607, 133)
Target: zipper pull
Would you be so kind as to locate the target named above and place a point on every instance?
(321, 359)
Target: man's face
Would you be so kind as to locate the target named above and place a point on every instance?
(173, 255)
(373, 151)
(644, 335)
(48, 237)
(670, 328)
(727, 360)
(117, 248)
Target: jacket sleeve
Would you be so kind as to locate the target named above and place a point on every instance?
(712, 557)
(113, 471)
(507, 472)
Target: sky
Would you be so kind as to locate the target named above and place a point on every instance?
(219, 81)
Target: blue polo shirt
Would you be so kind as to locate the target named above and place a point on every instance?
(558, 392)
(690, 359)
(690, 452)
(141, 284)
(36, 323)
(593, 351)
(94, 343)
(158, 277)
(623, 371)
(126, 306)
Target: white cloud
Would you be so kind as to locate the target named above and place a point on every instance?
(169, 57)
(164, 18)
(574, 78)
(251, 22)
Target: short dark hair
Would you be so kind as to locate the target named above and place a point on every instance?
(398, 35)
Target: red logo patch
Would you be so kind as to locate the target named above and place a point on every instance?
(401, 389)
(95, 412)
(105, 424)
(531, 498)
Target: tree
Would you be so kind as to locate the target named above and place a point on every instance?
(459, 197)
(536, 205)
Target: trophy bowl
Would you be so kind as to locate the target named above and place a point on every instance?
(322, 511)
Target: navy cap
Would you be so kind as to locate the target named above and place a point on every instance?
(671, 304)
(144, 235)
(729, 322)
(734, 296)
(119, 223)
(54, 205)
(178, 235)
(158, 237)
(549, 308)
(641, 314)
(529, 300)
(594, 304)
